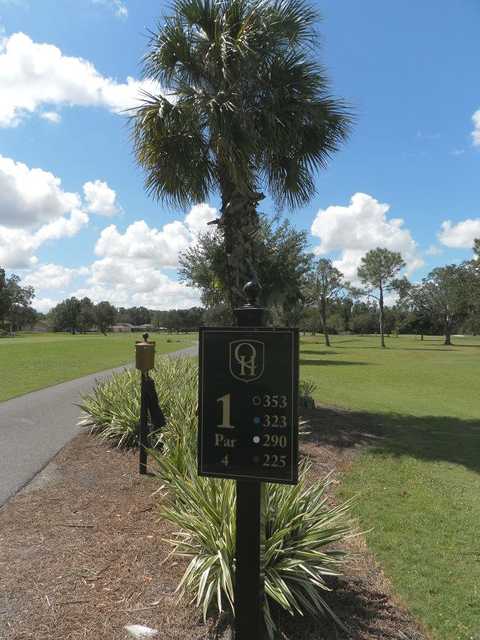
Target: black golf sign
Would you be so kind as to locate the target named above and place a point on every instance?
(248, 398)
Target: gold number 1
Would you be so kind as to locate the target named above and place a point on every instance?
(225, 400)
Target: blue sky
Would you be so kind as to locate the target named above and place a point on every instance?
(74, 217)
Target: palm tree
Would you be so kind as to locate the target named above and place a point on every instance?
(243, 106)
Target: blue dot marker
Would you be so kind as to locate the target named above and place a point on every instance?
(256, 420)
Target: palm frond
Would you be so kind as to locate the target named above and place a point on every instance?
(252, 102)
(170, 144)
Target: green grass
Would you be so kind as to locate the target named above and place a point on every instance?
(32, 361)
(418, 486)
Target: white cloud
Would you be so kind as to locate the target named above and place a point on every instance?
(460, 235)
(125, 283)
(33, 210)
(31, 196)
(118, 6)
(476, 130)
(433, 250)
(198, 218)
(18, 246)
(43, 305)
(100, 198)
(36, 74)
(52, 276)
(140, 242)
(129, 271)
(358, 227)
(157, 247)
(51, 116)
(62, 227)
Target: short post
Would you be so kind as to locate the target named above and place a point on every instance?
(144, 361)
(250, 528)
(143, 428)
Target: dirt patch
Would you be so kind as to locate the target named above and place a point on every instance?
(82, 553)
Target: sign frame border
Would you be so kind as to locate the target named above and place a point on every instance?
(295, 366)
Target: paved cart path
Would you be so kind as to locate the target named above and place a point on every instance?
(35, 426)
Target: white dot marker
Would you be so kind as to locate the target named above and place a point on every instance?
(256, 439)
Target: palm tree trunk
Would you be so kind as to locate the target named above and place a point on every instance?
(239, 223)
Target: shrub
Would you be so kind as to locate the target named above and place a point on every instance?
(305, 394)
(112, 410)
(300, 529)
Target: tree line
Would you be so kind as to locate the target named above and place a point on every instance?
(83, 315)
(298, 289)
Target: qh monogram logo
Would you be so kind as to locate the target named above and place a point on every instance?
(247, 359)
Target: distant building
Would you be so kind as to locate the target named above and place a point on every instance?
(143, 327)
(122, 327)
(126, 327)
(41, 327)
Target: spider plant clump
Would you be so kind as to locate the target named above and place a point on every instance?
(112, 410)
(301, 530)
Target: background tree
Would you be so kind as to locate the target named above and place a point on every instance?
(139, 315)
(291, 315)
(476, 249)
(378, 270)
(4, 297)
(365, 317)
(472, 323)
(104, 316)
(217, 316)
(310, 321)
(252, 110)
(15, 302)
(21, 313)
(345, 307)
(444, 296)
(122, 315)
(324, 285)
(65, 316)
(86, 317)
(281, 266)
(412, 315)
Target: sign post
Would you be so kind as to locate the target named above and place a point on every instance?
(248, 431)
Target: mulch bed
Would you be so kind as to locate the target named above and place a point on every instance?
(82, 553)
